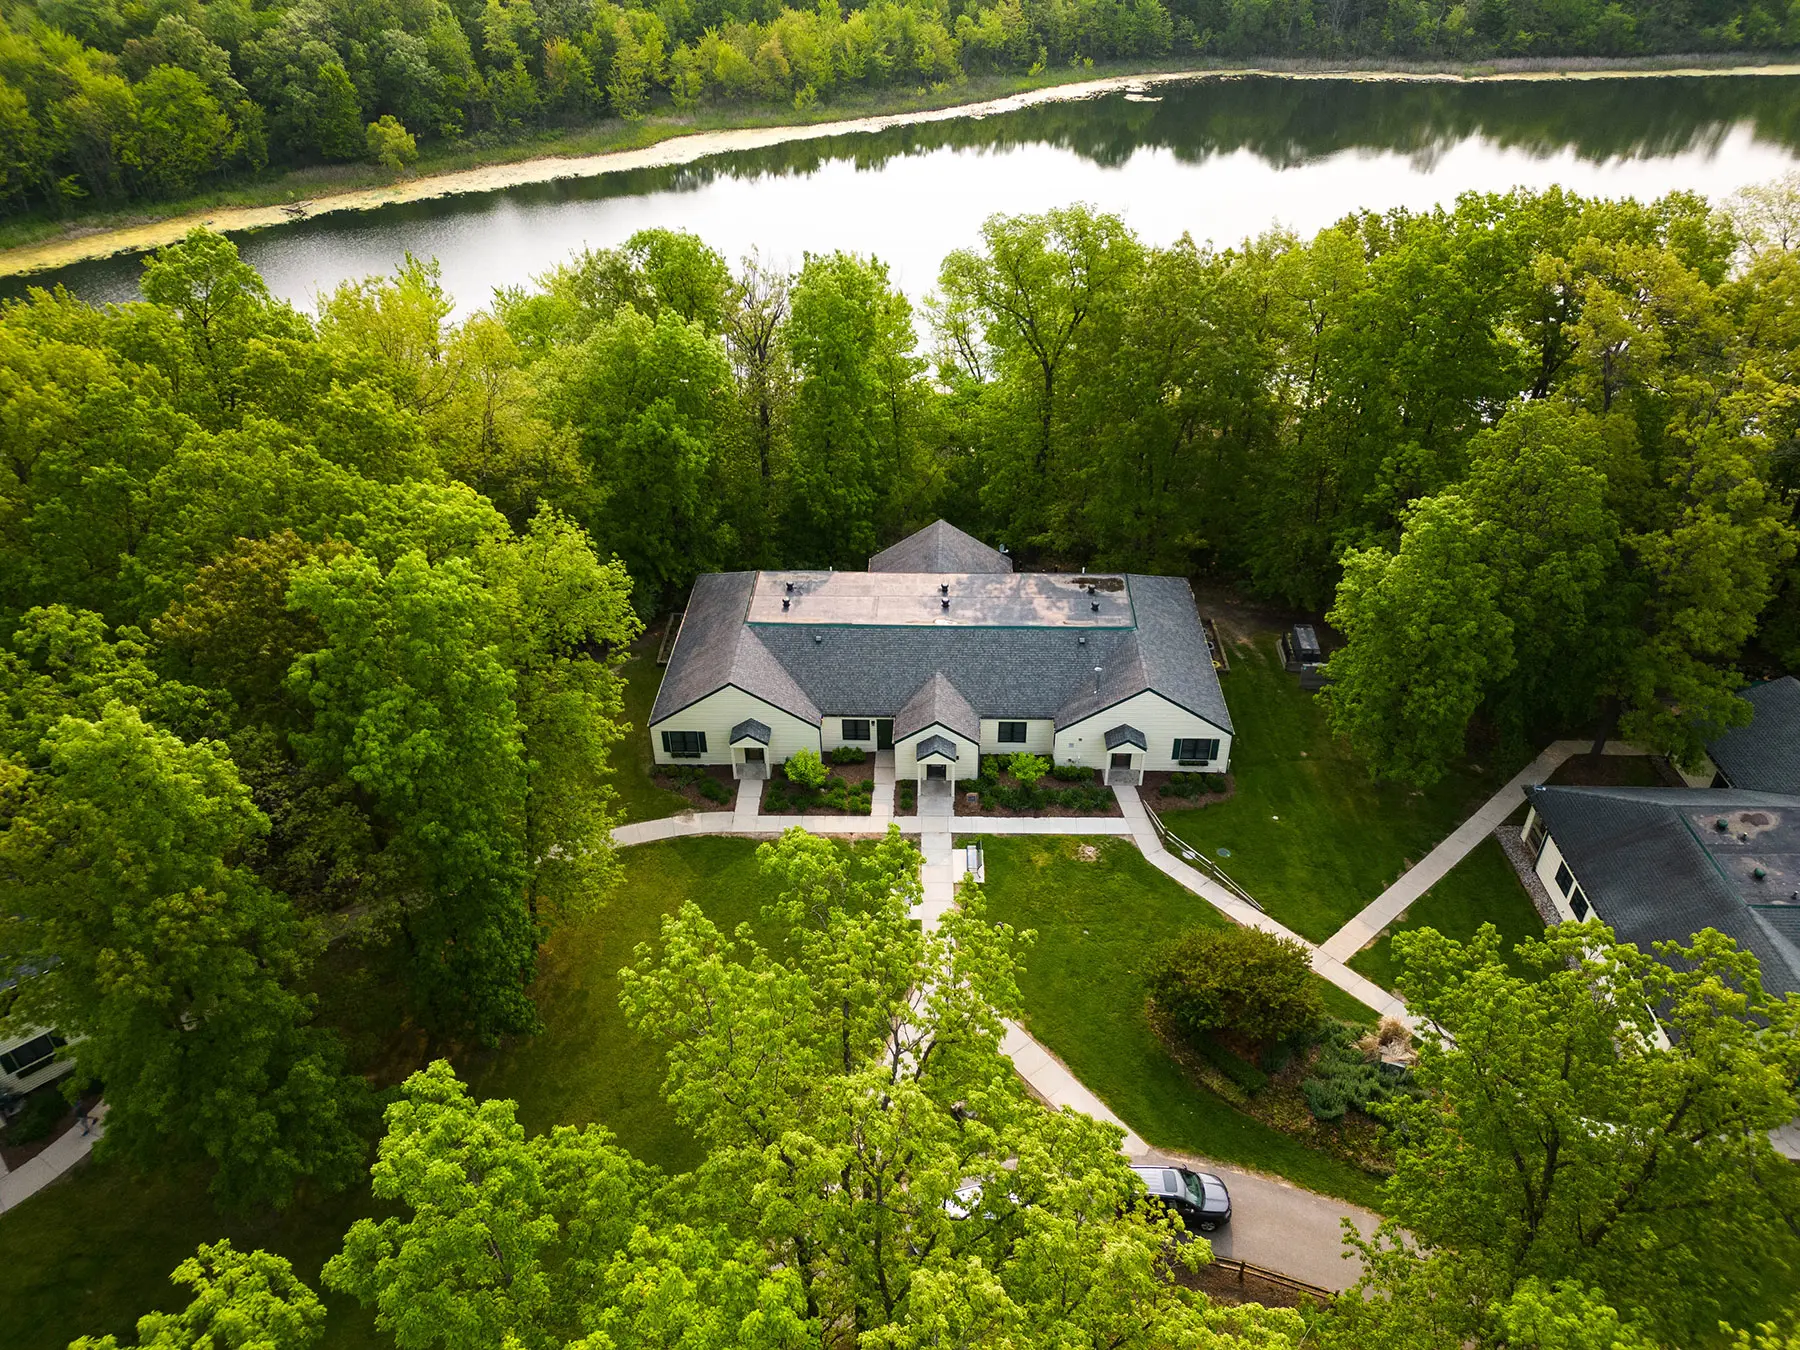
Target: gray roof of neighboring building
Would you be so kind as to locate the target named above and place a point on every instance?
(936, 745)
(717, 649)
(1764, 756)
(937, 702)
(750, 730)
(869, 670)
(1125, 735)
(940, 547)
(1656, 868)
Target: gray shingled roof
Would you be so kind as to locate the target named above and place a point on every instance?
(1125, 735)
(750, 730)
(1764, 756)
(717, 649)
(1167, 654)
(866, 670)
(936, 703)
(1655, 869)
(940, 547)
(936, 745)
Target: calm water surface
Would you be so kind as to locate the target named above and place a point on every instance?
(1218, 159)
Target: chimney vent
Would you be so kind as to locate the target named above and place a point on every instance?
(785, 602)
(943, 588)
(790, 588)
(1095, 606)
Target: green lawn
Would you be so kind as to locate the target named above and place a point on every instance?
(1482, 888)
(587, 1064)
(94, 1251)
(639, 797)
(1308, 834)
(1097, 922)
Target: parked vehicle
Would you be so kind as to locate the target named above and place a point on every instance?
(1199, 1198)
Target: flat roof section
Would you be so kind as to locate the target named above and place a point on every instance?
(976, 599)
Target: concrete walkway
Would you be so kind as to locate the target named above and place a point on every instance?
(31, 1177)
(1457, 845)
(1328, 967)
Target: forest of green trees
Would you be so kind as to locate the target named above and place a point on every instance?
(312, 631)
(103, 102)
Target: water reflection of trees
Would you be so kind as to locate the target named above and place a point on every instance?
(1293, 122)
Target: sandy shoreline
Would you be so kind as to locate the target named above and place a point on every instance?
(685, 149)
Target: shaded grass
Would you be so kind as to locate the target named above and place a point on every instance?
(1482, 888)
(588, 1064)
(633, 760)
(93, 1252)
(1310, 836)
(1083, 988)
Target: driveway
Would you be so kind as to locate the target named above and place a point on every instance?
(1281, 1226)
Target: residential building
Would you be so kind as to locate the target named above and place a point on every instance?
(941, 652)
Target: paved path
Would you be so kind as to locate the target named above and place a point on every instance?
(31, 1177)
(1329, 967)
(1457, 845)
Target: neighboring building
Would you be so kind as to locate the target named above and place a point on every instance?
(943, 653)
(1764, 756)
(31, 1058)
(1660, 864)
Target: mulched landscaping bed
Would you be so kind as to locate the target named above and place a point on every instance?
(1109, 806)
(1154, 790)
(776, 800)
(1281, 1105)
(686, 781)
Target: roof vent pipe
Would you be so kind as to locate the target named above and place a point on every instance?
(1096, 679)
(790, 588)
(1094, 606)
(785, 602)
(943, 588)
(945, 602)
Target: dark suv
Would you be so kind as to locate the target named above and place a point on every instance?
(1198, 1197)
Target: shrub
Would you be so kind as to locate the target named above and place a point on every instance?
(907, 796)
(1343, 1076)
(391, 145)
(849, 754)
(713, 790)
(37, 1118)
(1029, 768)
(1071, 773)
(1241, 981)
(807, 769)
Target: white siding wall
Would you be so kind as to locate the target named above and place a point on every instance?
(48, 1073)
(1162, 723)
(1548, 861)
(718, 713)
(1040, 736)
(831, 733)
(968, 754)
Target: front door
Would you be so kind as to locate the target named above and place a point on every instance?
(937, 771)
(884, 733)
(1121, 761)
(753, 756)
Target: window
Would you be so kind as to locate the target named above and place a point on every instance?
(1579, 905)
(1196, 751)
(856, 729)
(684, 744)
(1535, 836)
(31, 1056)
(1012, 733)
(1564, 878)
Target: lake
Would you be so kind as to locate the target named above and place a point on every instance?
(1220, 159)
